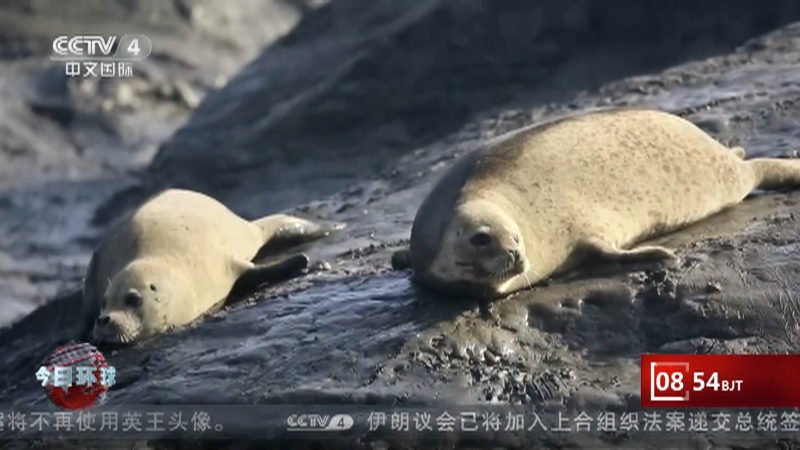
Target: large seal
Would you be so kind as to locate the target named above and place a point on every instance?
(541, 200)
(177, 257)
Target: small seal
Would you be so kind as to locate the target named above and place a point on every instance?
(177, 257)
(544, 199)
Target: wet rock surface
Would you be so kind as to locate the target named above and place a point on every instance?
(359, 332)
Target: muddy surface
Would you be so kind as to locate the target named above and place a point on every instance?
(361, 333)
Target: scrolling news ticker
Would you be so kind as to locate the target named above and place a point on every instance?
(720, 381)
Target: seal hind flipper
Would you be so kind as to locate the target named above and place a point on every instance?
(282, 232)
(774, 173)
(259, 275)
(401, 259)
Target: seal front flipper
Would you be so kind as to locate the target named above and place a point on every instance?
(282, 232)
(258, 275)
(401, 259)
(282, 270)
(643, 253)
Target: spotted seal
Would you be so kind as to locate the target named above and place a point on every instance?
(543, 199)
(177, 257)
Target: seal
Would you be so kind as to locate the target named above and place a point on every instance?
(177, 257)
(547, 198)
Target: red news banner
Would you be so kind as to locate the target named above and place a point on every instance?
(720, 381)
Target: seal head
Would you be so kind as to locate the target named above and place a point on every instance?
(481, 247)
(135, 302)
(486, 242)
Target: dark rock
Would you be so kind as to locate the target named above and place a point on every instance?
(393, 78)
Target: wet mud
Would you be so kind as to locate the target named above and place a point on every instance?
(359, 332)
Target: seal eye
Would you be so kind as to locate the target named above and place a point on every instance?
(133, 299)
(480, 239)
(153, 287)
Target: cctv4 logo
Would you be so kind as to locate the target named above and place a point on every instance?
(95, 46)
(310, 422)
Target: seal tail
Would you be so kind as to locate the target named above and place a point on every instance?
(774, 173)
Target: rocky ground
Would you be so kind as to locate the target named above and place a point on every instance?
(404, 91)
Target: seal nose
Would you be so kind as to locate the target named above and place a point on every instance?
(103, 320)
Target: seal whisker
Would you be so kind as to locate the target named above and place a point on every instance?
(501, 274)
(493, 275)
(129, 336)
(527, 280)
